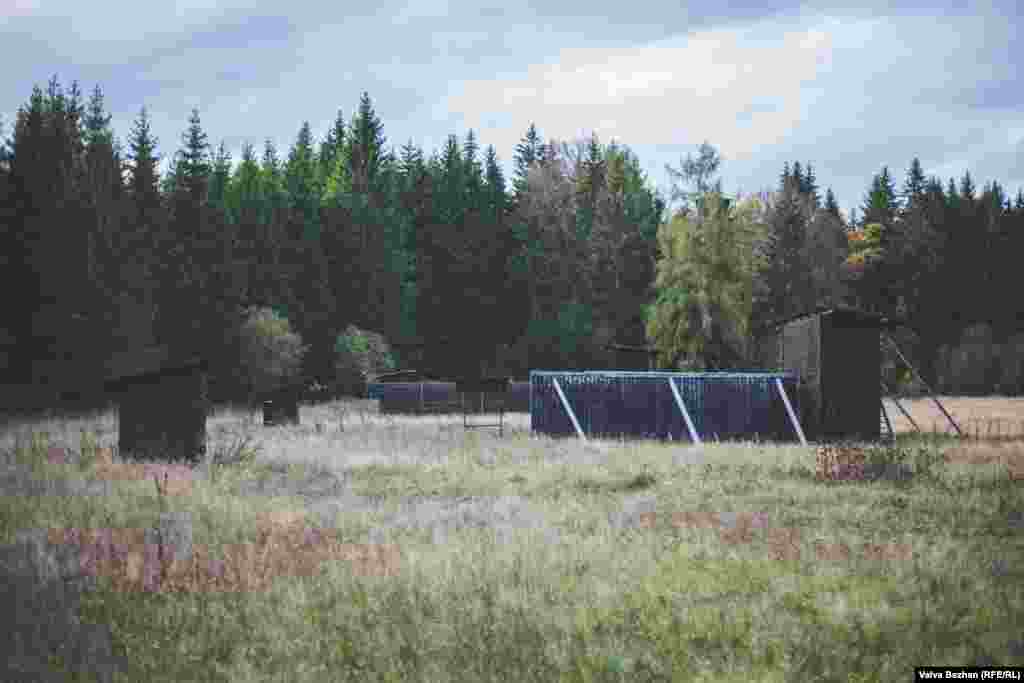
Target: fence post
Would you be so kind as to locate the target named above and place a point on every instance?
(568, 409)
(789, 409)
(694, 436)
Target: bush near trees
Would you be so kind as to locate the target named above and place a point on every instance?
(361, 355)
(271, 352)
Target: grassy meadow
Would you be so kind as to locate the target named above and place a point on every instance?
(359, 547)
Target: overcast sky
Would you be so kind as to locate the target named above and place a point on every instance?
(849, 89)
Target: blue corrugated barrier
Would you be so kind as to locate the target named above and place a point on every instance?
(719, 405)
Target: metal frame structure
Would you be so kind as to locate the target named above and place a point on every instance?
(931, 393)
(484, 387)
(695, 437)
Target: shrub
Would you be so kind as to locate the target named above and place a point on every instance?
(271, 352)
(361, 353)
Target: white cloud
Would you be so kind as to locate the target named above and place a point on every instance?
(682, 90)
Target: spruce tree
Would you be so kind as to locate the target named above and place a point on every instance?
(952, 196)
(528, 151)
(798, 176)
(273, 189)
(967, 189)
(880, 205)
(810, 186)
(784, 286)
(300, 179)
(474, 171)
(194, 164)
(830, 203)
(365, 147)
(144, 173)
(246, 186)
(147, 214)
(97, 121)
(326, 157)
(113, 262)
(220, 177)
(914, 186)
(787, 176)
(246, 202)
(495, 178)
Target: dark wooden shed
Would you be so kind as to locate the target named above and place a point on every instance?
(836, 353)
(163, 404)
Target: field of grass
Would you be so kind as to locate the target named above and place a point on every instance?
(369, 548)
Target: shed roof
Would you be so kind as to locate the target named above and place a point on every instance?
(404, 376)
(845, 316)
(146, 363)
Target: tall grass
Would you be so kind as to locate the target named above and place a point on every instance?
(399, 549)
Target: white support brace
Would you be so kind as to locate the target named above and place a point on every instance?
(694, 436)
(789, 409)
(568, 409)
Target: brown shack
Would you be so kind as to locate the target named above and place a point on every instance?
(837, 354)
(162, 404)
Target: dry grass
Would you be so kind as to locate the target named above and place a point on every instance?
(382, 548)
(985, 418)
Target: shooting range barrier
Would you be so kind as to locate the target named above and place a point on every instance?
(691, 406)
(407, 393)
(162, 404)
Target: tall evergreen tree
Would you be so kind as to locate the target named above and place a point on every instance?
(220, 177)
(271, 167)
(967, 189)
(330, 149)
(528, 151)
(365, 147)
(97, 121)
(146, 232)
(300, 180)
(831, 206)
(144, 173)
(880, 205)
(474, 170)
(798, 176)
(785, 285)
(194, 162)
(495, 178)
(411, 160)
(113, 263)
(810, 186)
(49, 235)
(244, 192)
(914, 186)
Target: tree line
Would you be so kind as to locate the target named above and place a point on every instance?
(460, 270)
(939, 257)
